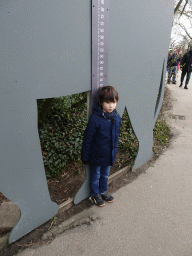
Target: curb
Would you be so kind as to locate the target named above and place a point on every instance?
(82, 217)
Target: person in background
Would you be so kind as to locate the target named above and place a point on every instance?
(178, 66)
(180, 52)
(186, 67)
(173, 61)
(169, 54)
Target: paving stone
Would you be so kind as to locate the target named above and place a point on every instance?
(46, 235)
(9, 215)
(54, 230)
(60, 229)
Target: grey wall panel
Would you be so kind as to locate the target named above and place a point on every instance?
(139, 35)
(46, 52)
(138, 44)
(46, 47)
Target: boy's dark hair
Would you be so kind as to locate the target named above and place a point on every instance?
(106, 94)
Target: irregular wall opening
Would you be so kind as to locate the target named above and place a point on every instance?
(61, 130)
(128, 144)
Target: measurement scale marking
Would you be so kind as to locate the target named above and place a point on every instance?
(100, 44)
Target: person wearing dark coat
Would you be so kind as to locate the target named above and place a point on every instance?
(186, 67)
(169, 54)
(172, 63)
(100, 143)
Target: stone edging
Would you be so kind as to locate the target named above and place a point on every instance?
(71, 221)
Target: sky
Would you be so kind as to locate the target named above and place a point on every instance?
(186, 23)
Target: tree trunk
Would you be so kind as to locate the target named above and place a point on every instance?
(46, 106)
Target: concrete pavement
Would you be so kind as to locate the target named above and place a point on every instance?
(152, 216)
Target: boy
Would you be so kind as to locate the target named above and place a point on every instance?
(100, 142)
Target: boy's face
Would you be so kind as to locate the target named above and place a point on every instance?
(109, 107)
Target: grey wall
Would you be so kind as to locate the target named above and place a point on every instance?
(139, 36)
(138, 46)
(46, 52)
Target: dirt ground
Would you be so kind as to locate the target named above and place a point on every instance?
(67, 185)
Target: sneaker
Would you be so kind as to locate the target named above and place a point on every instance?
(107, 197)
(174, 82)
(97, 199)
(185, 87)
(168, 82)
(180, 85)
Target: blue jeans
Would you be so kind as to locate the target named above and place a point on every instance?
(172, 70)
(99, 179)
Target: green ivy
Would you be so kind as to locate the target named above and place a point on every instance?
(161, 131)
(61, 133)
(127, 140)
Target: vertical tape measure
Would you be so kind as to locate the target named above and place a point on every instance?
(100, 44)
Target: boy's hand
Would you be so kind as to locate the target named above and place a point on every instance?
(181, 69)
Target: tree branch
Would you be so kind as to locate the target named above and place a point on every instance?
(45, 108)
(183, 27)
(188, 13)
(184, 8)
(177, 7)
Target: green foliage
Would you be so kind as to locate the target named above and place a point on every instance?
(161, 132)
(127, 140)
(61, 133)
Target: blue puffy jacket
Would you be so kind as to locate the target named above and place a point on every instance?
(100, 142)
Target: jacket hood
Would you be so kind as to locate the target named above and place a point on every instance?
(99, 112)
